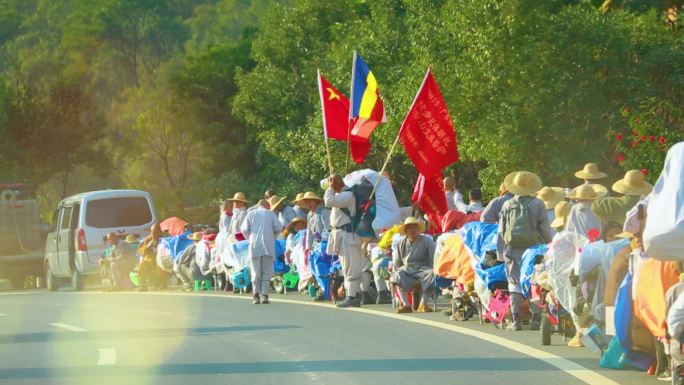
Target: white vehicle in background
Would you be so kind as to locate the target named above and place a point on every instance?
(80, 223)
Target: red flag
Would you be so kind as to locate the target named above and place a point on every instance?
(335, 108)
(427, 131)
(429, 192)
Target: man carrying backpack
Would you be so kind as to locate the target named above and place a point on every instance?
(343, 240)
(523, 223)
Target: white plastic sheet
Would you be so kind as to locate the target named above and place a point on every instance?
(664, 231)
(387, 211)
(559, 261)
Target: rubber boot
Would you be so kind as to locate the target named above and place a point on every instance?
(384, 298)
(350, 302)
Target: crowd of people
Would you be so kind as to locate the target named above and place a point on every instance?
(527, 213)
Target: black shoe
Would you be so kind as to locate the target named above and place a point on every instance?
(350, 302)
(265, 301)
(256, 300)
(384, 298)
(366, 298)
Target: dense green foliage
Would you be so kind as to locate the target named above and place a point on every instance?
(194, 100)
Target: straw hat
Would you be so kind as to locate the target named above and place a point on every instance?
(551, 196)
(310, 195)
(195, 237)
(298, 198)
(523, 183)
(562, 210)
(625, 235)
(131, 238)
(590, 171)
(275, 201)
(633, 184)
(238, 197)
(295, 220)
(588, 192)
(413, 221)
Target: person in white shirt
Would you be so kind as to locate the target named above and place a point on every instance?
(343, 241)
(239, 202)
(261, 227)
(475, 197)
(284, 212)
(225, 217)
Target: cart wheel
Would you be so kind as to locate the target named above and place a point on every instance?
(278, 285)
(457, 309)
(545, 330)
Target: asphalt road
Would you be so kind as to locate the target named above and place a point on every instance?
(177, 338)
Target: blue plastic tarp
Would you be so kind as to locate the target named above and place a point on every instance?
(527, 267)
(176, 245)
(480, 237)
(323, 267)
(623, 319)
(279, 265)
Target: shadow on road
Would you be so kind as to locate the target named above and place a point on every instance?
(132, 334)
(372, 365)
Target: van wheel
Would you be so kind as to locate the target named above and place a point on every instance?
(77, 280)
(50, 279)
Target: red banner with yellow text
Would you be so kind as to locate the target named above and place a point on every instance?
(427, 132)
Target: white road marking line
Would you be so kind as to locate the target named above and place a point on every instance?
(569, 367)
(68, 327)
(3, 315)
(107, 356)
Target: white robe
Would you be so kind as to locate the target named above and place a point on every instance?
(261, 227)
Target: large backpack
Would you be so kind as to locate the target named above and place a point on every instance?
(362, 221)
(520, 230)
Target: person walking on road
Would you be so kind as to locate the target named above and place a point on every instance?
(261, 226)
(523, 223)
(343, 241)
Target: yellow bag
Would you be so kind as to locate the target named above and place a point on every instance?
(386, 239)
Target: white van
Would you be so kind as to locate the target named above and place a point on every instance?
(80, 223)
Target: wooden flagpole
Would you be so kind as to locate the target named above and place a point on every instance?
(325, 129)
(351, 111)
(394, 145)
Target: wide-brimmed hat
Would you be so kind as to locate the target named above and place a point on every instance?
(625, 235)
(295, 220)
(195, 237)
(562, 210)
(132, 238)
(634, 183)
(588, 192)
(310, 195)
(523, 183)
(551, 196)
(298, 198)
(275, 201)
(590, 171)
(413, 221)
(238, 197)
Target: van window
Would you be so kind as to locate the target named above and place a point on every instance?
(66, 217)
(118, 212)
(55, 221)
(74, 216)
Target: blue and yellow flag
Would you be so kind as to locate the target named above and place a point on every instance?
(367, 110)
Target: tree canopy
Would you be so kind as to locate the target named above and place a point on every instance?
(195, 100)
